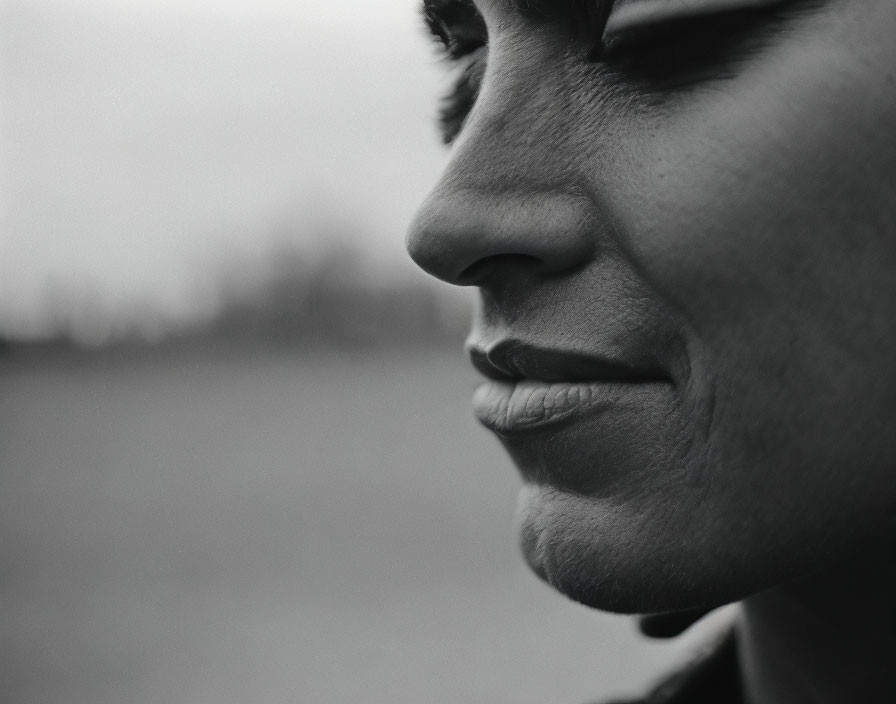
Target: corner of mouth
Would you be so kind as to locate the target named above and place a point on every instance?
(488, 366)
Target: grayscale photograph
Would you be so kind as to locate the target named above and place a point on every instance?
(447, 351)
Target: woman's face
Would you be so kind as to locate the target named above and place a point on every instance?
(686, 255)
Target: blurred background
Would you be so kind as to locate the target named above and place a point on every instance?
(237, 457)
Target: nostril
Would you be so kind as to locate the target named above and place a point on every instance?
(465, 235)
(479, 270)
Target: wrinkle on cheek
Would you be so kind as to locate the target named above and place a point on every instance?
(700, 446)
(697, 411)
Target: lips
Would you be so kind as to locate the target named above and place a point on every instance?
(507, 408)
(530, 388)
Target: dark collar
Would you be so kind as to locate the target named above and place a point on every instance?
(712, 676)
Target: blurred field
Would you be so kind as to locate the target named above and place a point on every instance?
(279, 526)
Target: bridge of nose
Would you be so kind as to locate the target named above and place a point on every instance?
(512, 186)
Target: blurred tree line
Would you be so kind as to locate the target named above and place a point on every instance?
(337, 298)
(329, 295)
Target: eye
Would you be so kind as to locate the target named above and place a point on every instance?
(633, 19)
(681, 41)
(456, 25)
(457, 103)
(461, 37)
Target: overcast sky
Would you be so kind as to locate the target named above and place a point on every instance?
(146, 142)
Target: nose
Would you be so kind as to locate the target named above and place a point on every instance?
(513, 194)
(464, 231)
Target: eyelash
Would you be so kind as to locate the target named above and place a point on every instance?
(456, 26)
(457, 103)
(707, 28)
(686, 51)
(461, 39)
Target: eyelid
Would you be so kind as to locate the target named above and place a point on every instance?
(632, 16)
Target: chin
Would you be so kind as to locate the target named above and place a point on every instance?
(616, 557)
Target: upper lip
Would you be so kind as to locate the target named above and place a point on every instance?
(512, 360)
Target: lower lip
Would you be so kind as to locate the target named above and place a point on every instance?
(510, 408)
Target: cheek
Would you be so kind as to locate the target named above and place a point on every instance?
(762, 212)
(771, 181)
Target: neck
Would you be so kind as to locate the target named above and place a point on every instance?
(829, 639)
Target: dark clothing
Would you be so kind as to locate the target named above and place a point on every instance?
(712, 677)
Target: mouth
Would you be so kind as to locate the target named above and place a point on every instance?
(530, 388)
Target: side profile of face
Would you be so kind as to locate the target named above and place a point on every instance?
(681, 220)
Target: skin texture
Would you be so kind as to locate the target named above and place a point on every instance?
(730, 223)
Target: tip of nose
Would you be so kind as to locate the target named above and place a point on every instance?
(453, 260)
(439, 242)
(464, 238)
(426, 248)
